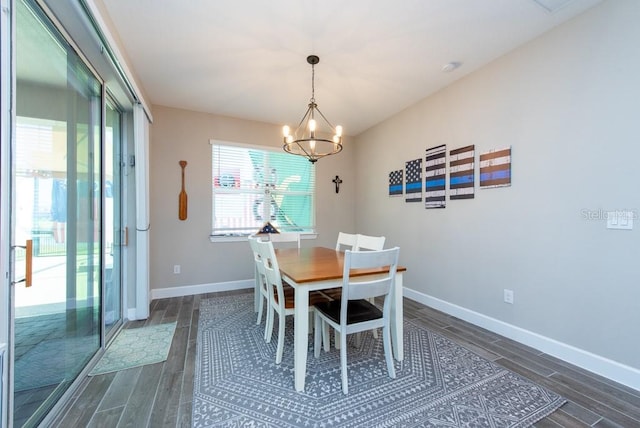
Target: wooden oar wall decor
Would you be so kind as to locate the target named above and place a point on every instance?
(182, 199)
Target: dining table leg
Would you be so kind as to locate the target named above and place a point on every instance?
(301, 336)
(397, 319)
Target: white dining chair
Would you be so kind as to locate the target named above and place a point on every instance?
(354, 313)
(346, 240)
(361, 243)
(261, 284)
(366, 242)
(285, 238)
(281, 298)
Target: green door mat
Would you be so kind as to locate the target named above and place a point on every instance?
(136, 347)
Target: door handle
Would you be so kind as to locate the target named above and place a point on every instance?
(28, 272)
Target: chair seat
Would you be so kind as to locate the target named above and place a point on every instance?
(315, 298)
(358, 311)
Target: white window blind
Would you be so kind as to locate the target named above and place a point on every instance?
(254, 185)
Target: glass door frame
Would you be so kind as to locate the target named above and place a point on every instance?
(7, 104)
(110, 101)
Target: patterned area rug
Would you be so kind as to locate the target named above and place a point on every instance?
(439, 384)
(134, 347)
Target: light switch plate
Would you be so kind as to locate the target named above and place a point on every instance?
(620, 220)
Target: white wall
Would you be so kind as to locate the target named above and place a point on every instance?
(184, 135)
(569, 105)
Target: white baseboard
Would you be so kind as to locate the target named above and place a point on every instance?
(188, 290)
(610, 369)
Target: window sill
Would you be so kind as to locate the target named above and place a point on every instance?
(241, 238)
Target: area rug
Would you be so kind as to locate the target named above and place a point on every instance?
(439, 384)
(134, 347)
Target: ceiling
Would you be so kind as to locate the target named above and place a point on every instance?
(247, 59)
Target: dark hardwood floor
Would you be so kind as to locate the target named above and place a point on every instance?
(160, 395)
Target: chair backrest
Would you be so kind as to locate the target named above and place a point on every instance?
(347, 240)
(253, 243)
(354, 287)
(254, 246)
(285, 237)
(366, 242)
(271, 270)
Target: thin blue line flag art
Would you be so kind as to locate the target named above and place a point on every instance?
(435, 177)
(395, 182)
(413, 186)
(495, 168)
(461, 173)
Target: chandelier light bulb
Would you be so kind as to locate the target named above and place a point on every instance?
(339, 130)
(312, 125)
(285, 130)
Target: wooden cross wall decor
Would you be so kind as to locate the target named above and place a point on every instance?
(337, 181)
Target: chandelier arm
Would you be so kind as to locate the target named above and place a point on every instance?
(333, 128)
(306, 114)
(309, 155)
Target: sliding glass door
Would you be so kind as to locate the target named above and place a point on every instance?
(113, 231)
(57, 206)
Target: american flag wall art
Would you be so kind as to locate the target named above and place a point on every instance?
(413, 184)
(395, 183)
(461, 173)
(495, 168)
(435, 177)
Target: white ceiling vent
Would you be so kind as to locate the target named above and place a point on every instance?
(552, 6)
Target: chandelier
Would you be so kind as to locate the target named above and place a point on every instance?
(308, 138)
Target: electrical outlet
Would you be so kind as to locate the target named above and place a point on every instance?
(508, 296)
(176, 269)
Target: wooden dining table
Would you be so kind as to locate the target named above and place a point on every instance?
(317, 268)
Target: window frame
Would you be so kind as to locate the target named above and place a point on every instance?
(310, 233)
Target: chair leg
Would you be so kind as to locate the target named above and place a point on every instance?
(280, 350)
(316, 335)
(268, 323)
(372, 300)
(326, 341)
(343, 363)
(270, 317)
(336, 338)
(386, 340)
(260, 307)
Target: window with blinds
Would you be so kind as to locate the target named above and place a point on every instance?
(254, 185)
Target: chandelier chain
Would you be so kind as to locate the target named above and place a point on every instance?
(313, 83)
